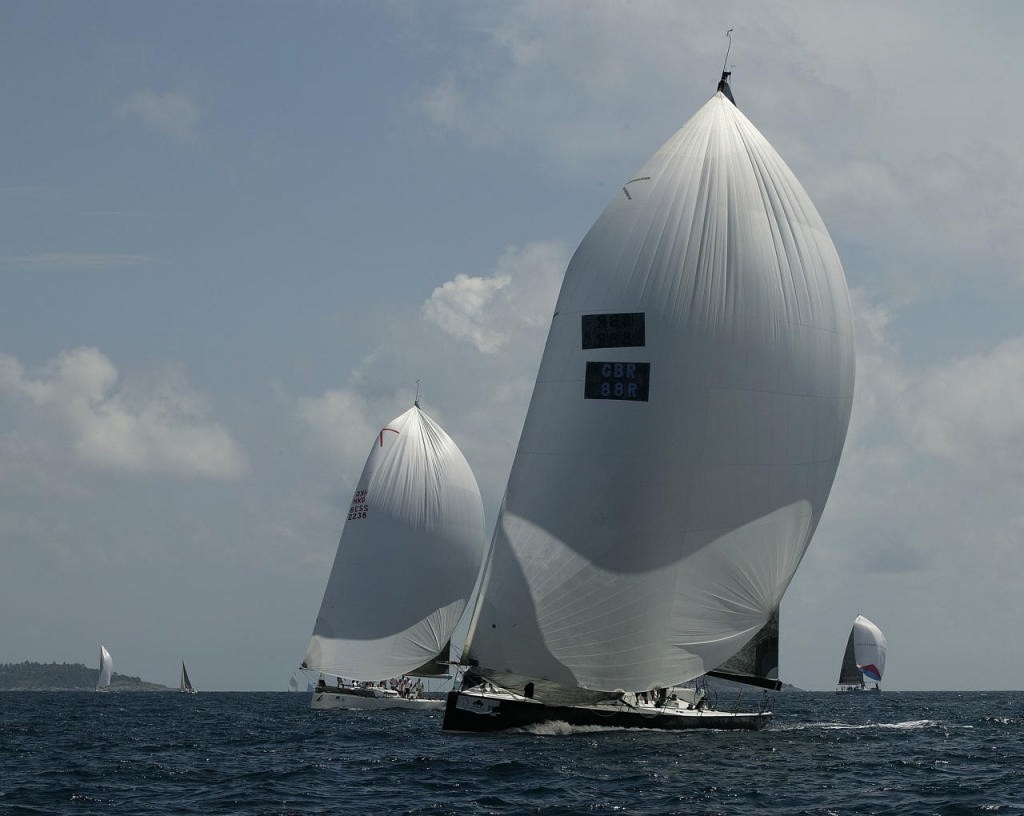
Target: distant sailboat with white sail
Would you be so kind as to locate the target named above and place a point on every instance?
(185, 685)
(106, 669)
(684, 431)
(409, 555)
(863, 659)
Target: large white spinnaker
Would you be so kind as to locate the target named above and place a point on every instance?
(685, 427)
(409, 555)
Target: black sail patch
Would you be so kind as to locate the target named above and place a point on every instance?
(626, 330)
(617, 381)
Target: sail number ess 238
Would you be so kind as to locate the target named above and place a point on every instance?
(615, 380)
(359, 507)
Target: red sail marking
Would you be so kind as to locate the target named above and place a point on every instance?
(382, 434)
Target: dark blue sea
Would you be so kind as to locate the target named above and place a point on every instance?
(268, 753)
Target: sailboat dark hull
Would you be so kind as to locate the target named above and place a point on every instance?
(483, 712)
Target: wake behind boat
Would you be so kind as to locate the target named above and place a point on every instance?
(409, 555)
(681, 441)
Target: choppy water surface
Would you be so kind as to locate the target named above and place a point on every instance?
(213, 753)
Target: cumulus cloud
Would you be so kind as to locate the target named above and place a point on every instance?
(968, 412)
(339, 422)
(444, 103)
(157, 426)
(459, 305)
(963, 411)
(498, 85)
(490, 310)
(926, 190)
(173, 114)
(475, 349)
(932, 459)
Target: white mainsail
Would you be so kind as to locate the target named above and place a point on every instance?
(409, 555)
(106, 669)
(864, 658)
(685, 427)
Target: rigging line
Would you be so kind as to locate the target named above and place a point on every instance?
(725, 62)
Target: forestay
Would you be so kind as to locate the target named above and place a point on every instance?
(685, 426)
(409, 555)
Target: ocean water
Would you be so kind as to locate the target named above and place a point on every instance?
(268, 753)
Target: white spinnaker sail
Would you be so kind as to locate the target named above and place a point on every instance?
(869, 649)
(106, 668)
(409, 555)
(685, 427)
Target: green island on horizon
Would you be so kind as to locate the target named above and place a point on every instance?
(31, 676)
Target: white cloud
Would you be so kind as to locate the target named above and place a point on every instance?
(445, 104)
(338, 422)
(156, 426)
(174, 114)
(880, 380)
(457, 307)
(491, 310)
(505, 80)
(962, 412)
(968, 413)
(867, 128)
(475, 350)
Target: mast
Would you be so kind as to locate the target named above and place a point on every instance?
(723, 83)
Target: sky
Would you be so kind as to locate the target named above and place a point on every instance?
(234, 236)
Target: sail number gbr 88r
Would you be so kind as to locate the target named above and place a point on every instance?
(615, 380)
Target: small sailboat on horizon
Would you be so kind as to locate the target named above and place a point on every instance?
(409, 555)
(106, 669)
(185, 685)
(863, 659)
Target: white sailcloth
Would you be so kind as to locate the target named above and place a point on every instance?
(106, 668)
(869, 647)
(409, 555)
(685, 427)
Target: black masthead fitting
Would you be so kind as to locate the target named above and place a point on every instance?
(723, 83)
(723, 86)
